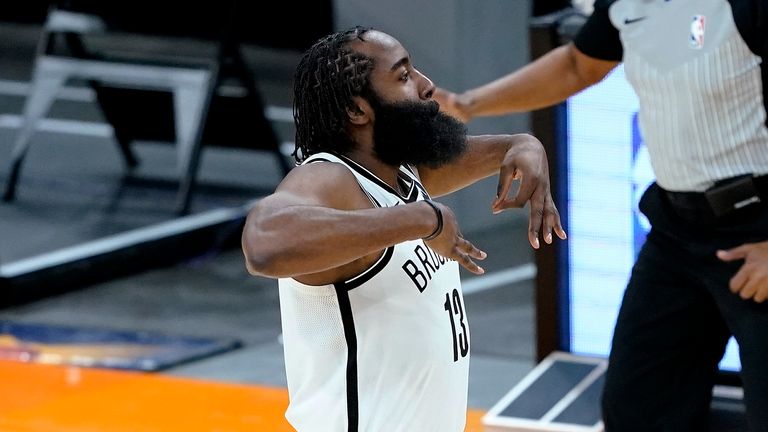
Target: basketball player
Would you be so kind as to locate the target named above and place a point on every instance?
(375, 331)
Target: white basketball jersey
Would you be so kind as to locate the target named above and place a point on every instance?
(385, 351)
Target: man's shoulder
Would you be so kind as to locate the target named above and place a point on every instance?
(321, 173)
(325, 184)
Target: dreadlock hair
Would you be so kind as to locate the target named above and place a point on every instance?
(328, 75)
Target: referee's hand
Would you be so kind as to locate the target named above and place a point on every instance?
(751, 281)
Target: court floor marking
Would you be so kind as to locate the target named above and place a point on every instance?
(499, 278)
(123, 240)
(75, 127)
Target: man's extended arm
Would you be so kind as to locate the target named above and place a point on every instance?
(318, 220)
(548, 80)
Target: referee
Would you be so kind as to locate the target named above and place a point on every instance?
(702, 275)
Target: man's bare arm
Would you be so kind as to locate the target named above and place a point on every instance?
(546, 81)
(319, 220)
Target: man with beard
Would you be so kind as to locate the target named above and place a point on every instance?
(374, 326)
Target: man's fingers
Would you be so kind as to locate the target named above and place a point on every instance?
(465, 261)
(736, 253)
(762, 293)
(465, 251)
(534, 222)
(554, 218)
(750, 283)
(756, 286)
(525, 193)
(748, 289)
(738, 280)
(547, 231)
(533, 236)
(441, 96)
(505, 184)
(533, 239)
(471, 250)
(549, 220)
(556, 227)
(559, 230)
(447, 101)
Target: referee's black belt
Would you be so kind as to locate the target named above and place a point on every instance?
(728, 198)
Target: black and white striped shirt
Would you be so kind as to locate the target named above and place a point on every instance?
(696, 66)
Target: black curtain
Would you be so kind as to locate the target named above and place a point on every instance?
(288, 24)
(544, 7)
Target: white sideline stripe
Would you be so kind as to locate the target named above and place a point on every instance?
(85, 94)
(519, 388)
(75, 127)
(499, 278)
(728, 392)
(575, 392)
(119, 241)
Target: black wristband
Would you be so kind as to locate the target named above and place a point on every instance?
(439, 215)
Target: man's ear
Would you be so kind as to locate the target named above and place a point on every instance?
(361, 112)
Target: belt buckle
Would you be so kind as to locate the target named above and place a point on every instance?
(731, 195)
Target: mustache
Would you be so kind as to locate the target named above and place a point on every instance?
(432, 107)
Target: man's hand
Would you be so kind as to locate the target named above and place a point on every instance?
(751, 281)
(451, 244)
(527, 162)
(450, 103)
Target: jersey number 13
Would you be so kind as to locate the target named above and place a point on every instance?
(458, 329)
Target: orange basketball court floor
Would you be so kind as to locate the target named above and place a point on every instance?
(38, 397)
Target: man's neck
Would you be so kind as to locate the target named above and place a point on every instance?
(387, 173)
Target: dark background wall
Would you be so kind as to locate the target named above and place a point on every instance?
(292, 25)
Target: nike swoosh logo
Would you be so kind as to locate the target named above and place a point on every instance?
(633, 20)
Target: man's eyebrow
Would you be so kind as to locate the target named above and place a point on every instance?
(403, 61)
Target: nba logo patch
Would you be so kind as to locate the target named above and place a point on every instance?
(697, 32)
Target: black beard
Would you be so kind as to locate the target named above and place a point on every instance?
(416, 133)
